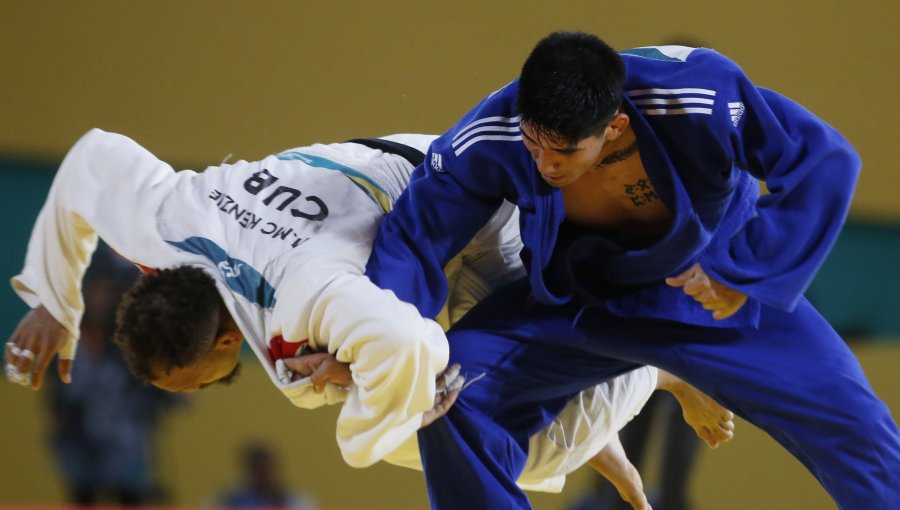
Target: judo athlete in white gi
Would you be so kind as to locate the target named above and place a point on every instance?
(282, 244)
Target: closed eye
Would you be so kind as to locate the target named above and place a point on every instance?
(566, 151)
(228, 379)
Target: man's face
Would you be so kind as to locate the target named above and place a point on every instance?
(218, 366)
(559, 162)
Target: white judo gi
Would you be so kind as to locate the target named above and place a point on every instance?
(286, 239)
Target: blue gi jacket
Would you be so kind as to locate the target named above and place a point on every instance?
(706, 135)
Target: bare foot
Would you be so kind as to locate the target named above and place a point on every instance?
(712, 422)
(614, 465)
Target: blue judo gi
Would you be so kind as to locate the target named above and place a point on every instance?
(591, 309)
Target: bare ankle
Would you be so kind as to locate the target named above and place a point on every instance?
(668, 382)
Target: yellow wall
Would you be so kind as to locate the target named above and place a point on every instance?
(196, 81)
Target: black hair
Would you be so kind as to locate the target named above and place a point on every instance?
(167, 319)
(571, 86)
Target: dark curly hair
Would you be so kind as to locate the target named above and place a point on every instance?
(167, 319)
(571, 86)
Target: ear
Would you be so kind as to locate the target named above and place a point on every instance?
(228, 339)
(617, 125)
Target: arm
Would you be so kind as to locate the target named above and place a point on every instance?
(449, 198)
(323, 368)
(393, 353)
(810, 171)
(102, 181)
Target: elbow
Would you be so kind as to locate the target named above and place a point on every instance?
(850, 161)
(404, 340)
(847, 178)
(425, 345)
(358, 461)
(854, 164)
(401, 358)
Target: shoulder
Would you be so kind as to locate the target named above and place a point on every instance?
(677, 70)
(682, 86)
(484, 149)
(675, 59)
(488, 130)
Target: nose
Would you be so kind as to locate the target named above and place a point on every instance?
(545, 161)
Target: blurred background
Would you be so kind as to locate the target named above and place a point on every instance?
(195, 82)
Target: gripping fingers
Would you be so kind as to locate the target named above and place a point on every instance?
(332, 371)
(730, 308)
(449, 377)
(455, 385)
(20, 357)
(447, 388)
(15, 376)
(18, 364)
(16, 352)
(34, 343)
(38, 370)
(23, 367)
(698, 285)
(321, 368)
(684, 278)
(442, 403)
(64, 368)
(707, 296)
(304, 365)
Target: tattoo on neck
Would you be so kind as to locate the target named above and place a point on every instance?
(620, 155)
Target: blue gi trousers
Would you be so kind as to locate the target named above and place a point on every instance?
(794, 377)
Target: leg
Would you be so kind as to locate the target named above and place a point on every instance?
(469, 460)
(704, 417)
(473, 456)
(634, 438)
(712, 422)
(793, 377)
(614, 465)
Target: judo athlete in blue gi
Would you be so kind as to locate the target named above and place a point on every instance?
(646, 242)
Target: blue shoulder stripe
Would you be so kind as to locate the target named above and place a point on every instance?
(361, 180)
(240, 276)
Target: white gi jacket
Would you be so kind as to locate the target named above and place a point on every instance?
(286, 239)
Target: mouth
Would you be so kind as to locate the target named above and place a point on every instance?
(552, 179)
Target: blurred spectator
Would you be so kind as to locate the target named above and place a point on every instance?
(260, 486)
(105, 420)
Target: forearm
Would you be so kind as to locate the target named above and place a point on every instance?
(59, 251)
(810, 171)
(394, 355)
(433, 220)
